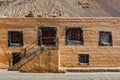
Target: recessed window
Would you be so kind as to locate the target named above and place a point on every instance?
(74, 36)
(83, 58)
(15, 38)
(105, 38)
(48, 35)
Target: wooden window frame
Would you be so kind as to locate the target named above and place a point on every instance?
(83, 58)
(14, 44)
(74, 41)
(103, 42)
(52, 38)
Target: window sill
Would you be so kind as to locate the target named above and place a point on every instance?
(83, 63)
(15, 46)
(53, 47)
(105, 45)
(72, 42)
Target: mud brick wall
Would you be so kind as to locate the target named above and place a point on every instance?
(99, 56)
(67, 55)
(47, 61)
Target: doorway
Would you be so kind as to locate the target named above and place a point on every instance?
(15, 58)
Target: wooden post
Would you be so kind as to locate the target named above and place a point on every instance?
(57, 43)
(10, 62)
(41, 41)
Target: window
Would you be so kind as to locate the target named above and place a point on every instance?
(15, 38)
(48, 35)
(105, 38)
(83, 58)
(74, 36)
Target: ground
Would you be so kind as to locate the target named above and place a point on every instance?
(9, 75)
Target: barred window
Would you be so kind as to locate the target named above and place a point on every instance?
(74, 36)
(83, 58)
(105, 38)
(15, 38)
(48, 35)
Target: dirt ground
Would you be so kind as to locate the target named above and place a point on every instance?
(9, 75)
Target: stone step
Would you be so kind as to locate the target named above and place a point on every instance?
(25, 59)
(94, 70)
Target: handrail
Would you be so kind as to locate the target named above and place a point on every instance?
(31, 44)
(23, 52)
(57, 42)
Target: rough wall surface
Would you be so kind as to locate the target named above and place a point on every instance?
(47, 61)
(66, 54)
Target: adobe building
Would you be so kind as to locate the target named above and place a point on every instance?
(55, 44)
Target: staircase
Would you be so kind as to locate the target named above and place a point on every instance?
(26, 55)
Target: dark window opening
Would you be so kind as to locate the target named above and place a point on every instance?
(15, 58)
(15, 38)
(74, 36)
(83, 58)
(105, 38)
(48, 35)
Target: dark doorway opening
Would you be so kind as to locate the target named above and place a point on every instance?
(15, 58)
(47, 36)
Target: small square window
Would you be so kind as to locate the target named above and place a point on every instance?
(83, 58)
(74, 36)
(105, 38)
(15, 38)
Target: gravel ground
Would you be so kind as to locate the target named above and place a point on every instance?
(8, 75)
